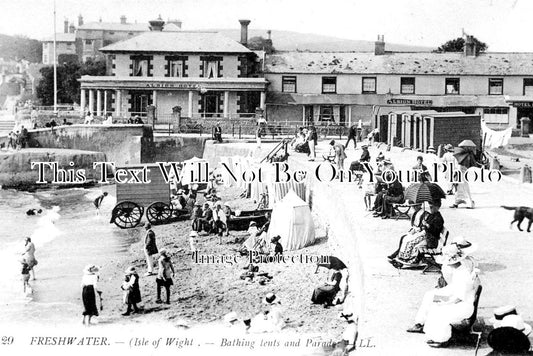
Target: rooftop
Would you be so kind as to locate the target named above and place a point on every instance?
(62, 37)
(114, 26)
(183, 41)
(400, 63)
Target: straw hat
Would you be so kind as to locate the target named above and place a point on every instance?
(253, 223)
(452, 254)
(91, 269)
(364, 146)
(193, 234)
(163, 252)
(502, 312)
(431, 149)
(448, 147)
(270, 299)
(131, 270)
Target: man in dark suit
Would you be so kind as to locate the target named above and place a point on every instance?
(352, 135)
(217, 132)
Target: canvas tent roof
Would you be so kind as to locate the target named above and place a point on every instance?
(292, 220)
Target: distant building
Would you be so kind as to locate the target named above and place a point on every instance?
(204, 73)
(65, 45)
(86, 40)
(344, 87)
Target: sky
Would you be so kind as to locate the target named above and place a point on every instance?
(505, 25)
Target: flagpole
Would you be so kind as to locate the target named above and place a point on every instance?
(55, 62)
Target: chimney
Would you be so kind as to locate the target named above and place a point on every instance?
(65, 26)
(157, 25)
(470, 49)
(80, 20)
(244, 31)
(379, 46)
(71, 28)
(269, 35)
(268, 41)
(123, 19)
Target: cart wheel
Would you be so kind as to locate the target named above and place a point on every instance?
(127, 214)
(158, 212)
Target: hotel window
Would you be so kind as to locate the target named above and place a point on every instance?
(496, 115)
(288, 84)
(326, 113)
(176, 68)
(407, 85)
(329, 85)
(528, 86)
(369, 85)
(211, 69)
(88, 42)
(140, 67)
(495, 86)
(452, 86)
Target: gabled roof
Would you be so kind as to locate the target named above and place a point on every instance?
(183, 41)
(493, 64)
(62, 37)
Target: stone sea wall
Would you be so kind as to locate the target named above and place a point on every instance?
(16, 171)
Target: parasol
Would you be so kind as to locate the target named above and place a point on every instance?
(467, 143)
(426, 191)
(334, 263)
(465, 156)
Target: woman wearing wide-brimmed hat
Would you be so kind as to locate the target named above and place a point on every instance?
(442, 307)
(132, 292)
(271, 319)
(89, 284)
(449, 159)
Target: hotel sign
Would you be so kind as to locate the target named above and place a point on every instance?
(174, 85)
(410, 102)
(523, 104)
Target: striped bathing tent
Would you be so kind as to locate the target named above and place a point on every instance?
(277, 191)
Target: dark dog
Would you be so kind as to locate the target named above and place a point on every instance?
(520, 213)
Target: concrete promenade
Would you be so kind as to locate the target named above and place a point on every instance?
(391, 297)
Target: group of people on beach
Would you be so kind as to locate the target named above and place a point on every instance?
(17, 139)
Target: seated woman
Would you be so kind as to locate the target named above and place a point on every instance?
(428, 235)
(443, 307)
(326, 293)
(416, 227)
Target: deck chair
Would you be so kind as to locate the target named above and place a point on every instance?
(428, 254)
(401, 210)
(466, 326)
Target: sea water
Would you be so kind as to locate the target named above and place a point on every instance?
(68, 235)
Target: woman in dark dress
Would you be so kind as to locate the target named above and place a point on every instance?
(132, 292)
(88, 294)
(327, 292)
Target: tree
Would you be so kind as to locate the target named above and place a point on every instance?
(68, 86)
(20, 47)
(260, 43)
(458, 45)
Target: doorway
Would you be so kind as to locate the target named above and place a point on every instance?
(139, 102)
(211, 105)
(524, 112)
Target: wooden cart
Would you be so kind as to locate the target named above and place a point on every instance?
(132, 199)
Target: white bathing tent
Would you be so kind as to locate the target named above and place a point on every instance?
(292, 220)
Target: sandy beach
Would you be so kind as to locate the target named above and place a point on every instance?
(204, 293)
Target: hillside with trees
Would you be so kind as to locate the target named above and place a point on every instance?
(20, 47)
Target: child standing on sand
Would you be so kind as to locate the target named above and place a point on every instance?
(26, 277)
(98, 202)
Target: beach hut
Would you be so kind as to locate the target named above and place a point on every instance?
(292, 220)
